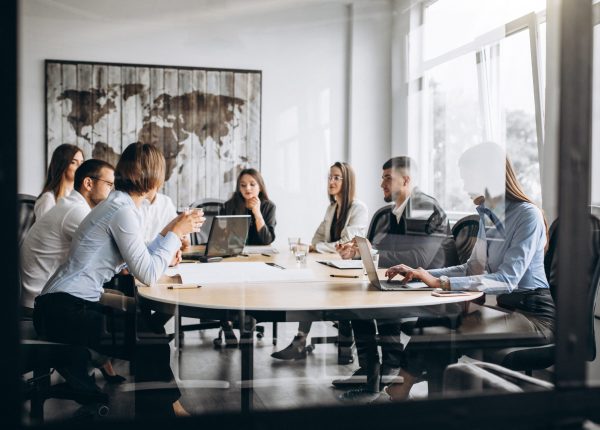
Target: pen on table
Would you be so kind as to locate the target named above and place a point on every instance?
(343, 276)
(183, 287)
(244, 255)
(266, 255)
(275, 265)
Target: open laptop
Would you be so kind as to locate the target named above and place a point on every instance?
(384, 285)
(227, 237)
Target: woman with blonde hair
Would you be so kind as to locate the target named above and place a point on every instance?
(60, 177)
(507, 259)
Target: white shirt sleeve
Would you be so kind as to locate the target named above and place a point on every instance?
(43, 204)
(145, 264)
(72, 220)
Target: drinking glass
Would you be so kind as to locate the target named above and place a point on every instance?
(292, 242)
(300, 252)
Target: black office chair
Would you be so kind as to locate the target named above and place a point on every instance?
(26, 216)
(465, 235)
(211, 207)
(41, 359)
(528, 359)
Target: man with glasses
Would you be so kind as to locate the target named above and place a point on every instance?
(414, 228)
(47, 243)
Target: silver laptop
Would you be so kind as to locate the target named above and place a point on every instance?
(384, 285)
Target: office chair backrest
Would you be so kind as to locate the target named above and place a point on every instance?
(211, 207)
(465, 235)
(26, 216)
(593, 280)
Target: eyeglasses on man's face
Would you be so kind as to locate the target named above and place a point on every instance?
(335, 178)
(110, 184)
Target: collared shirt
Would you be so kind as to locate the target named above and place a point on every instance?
(108, 237)
(47, 243)
(399, 210)
(157, 215)
(508, 260)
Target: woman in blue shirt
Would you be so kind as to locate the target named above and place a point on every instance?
(108, 239)
(508, 257)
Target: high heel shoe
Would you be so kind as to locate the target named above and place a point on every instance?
(112, 379)
(294, 351)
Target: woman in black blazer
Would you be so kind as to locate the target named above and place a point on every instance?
(250, 198)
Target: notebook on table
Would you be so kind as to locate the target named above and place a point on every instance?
(227, 237)
(385, 284)
(343, 264)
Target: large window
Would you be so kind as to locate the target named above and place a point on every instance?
(479, 78)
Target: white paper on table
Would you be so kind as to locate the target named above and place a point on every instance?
(259, 249)
(229, 273)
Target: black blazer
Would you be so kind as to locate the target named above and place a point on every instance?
(266, 235)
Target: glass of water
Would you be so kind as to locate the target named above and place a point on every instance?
(292, 242)
(300, 252)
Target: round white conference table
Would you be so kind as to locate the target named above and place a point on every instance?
(311, 294)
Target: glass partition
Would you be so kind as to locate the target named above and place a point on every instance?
(358, 268)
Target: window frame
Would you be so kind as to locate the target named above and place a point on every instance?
(529, 22)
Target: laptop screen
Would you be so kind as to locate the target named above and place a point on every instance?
(365, 256)
(228, 235)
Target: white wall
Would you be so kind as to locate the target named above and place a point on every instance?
(370, 117)
(304, 49)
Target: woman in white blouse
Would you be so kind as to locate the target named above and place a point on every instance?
(345, 218)
(59, 178)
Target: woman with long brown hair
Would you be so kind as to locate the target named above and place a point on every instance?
(345, 218)
(250, 197)
(59, 178)
(507, 259)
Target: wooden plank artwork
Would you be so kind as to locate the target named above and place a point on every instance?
(205, 121)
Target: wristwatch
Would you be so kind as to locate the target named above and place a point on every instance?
(445, 283)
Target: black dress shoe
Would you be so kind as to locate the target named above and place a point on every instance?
(359, 377)
(294, 351)
(112, 379)
(359, 395)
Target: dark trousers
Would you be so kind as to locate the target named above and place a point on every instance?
(365, 337)
(61, 317)
(535, 307)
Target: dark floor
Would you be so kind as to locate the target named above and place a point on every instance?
(209, 378)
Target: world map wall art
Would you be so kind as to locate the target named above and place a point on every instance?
(206, 121)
